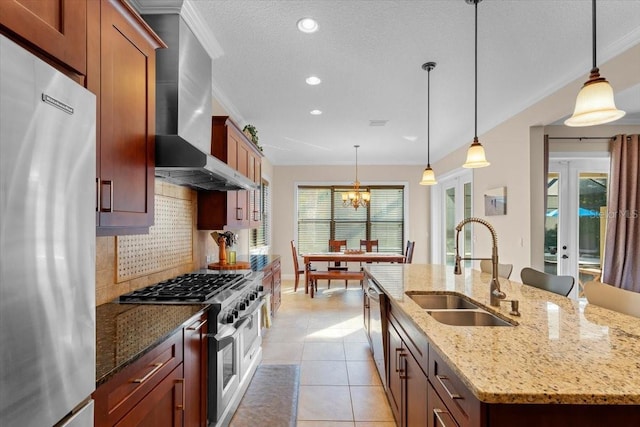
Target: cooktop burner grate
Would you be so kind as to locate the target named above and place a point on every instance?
(188, 287)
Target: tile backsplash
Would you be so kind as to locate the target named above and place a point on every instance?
(173, 246)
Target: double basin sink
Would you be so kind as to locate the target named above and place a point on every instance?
(455, 310)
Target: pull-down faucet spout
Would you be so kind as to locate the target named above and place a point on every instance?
(495, 294)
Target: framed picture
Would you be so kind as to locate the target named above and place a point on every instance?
(495, 201)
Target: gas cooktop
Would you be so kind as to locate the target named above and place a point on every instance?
(194, 287)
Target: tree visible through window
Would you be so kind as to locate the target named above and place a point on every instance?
(322, 217)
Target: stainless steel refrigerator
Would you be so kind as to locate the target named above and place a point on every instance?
(47, 244)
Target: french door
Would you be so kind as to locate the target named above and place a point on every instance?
(452, 203)
(575, 219)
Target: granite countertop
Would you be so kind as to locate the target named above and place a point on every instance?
(124, 332)
(561, 351)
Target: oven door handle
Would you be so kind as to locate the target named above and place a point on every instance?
(223, 340)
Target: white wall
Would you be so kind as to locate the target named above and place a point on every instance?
(285, 179)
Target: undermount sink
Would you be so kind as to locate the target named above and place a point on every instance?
(441, 302)
(467, 318)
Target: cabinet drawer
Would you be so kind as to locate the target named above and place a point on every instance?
(437, 412)
(460, 401)
(122, 392)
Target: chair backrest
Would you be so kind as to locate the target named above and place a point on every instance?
(561, 285)
(369, 245)
(294, 252)
(408, 253)
(337, 245)
(613, 298)
(504, 270)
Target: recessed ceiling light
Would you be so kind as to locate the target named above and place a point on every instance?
(315, 112)
(313, 80)
(307, 25)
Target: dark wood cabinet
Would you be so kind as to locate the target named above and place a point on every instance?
(407, 378)
(152, 385)
(121, 65)
(56, 28)
(195, 371)
(272, 283)
(163, 406)
(234, 210)
(407, 389)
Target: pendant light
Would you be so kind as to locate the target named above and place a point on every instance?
(428, 176)
(475, 155)
(595, 104)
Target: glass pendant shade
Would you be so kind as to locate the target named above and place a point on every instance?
(475, 156)
(595, 104)
(428, 177)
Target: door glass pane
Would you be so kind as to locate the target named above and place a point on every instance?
(229, 368)
(592, 204)
(450, 224)
(551, 224)
(468, 229)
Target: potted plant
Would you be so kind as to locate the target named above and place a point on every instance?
(252, 133)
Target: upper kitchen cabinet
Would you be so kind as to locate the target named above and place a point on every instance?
(122, 73)
(232, 209)
(57, 28)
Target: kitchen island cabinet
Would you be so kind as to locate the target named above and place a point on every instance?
(232, 210)
(57, 28)
(121, 72)
(561, 364)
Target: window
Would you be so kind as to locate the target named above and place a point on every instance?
(322, 217)
(261, 236)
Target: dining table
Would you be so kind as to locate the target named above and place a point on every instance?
(347, 256)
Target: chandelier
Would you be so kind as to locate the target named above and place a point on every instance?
(355, 197)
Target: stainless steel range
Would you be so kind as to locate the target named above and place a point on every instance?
(234, 350)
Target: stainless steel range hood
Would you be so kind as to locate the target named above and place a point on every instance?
(183, 112)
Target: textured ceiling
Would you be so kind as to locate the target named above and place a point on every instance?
(369, 56)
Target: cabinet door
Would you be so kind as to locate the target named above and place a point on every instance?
(127, 117)
(163, 406)
(195, 372)
(57, 27)
(416, 392)
(395, 371)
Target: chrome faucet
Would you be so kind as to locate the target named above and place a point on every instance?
(495, 294)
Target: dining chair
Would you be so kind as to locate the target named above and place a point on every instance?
(369, 245)
(337, 246)
(296, 266)
(504, 270)
(408, 252)
(560, 285)
(613, 298)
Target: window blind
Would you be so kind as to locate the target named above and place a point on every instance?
(323, 217)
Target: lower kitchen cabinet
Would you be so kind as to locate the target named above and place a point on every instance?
(195, 371)
(155, 379)
(407, 382)
(271, 282)
(163, 406)
(164, 387)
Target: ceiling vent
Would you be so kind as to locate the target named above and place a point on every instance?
(378, 122)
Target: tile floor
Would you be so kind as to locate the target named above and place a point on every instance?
(339, 384)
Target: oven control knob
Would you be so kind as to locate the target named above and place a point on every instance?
(252, 296)
(260, 288)
(229, 318)
(242, 306)
(235, 313)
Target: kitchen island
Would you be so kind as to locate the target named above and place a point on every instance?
(581, 358)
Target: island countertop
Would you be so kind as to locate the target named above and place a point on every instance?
(561, 351)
